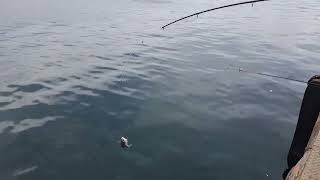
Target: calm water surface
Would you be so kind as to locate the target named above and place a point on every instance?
(77, 75)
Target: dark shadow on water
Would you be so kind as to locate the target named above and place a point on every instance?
(101, 57)
(135, 55)
(30, 88)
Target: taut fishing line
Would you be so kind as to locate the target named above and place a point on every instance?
(274, 76)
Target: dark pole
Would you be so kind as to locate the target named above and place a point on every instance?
(309, 113)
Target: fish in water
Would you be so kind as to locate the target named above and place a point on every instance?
(124, 143)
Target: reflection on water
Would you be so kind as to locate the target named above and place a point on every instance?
(76, 76)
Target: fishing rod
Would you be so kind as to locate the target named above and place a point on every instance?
(274, 76)
(221, 7)
(240, 69)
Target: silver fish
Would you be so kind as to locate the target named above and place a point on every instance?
(124, 143)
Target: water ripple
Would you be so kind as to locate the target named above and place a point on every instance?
(73, 82)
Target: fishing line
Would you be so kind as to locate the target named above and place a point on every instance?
(274, 76)
(221, 7)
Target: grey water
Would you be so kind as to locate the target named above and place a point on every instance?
(77, 75)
